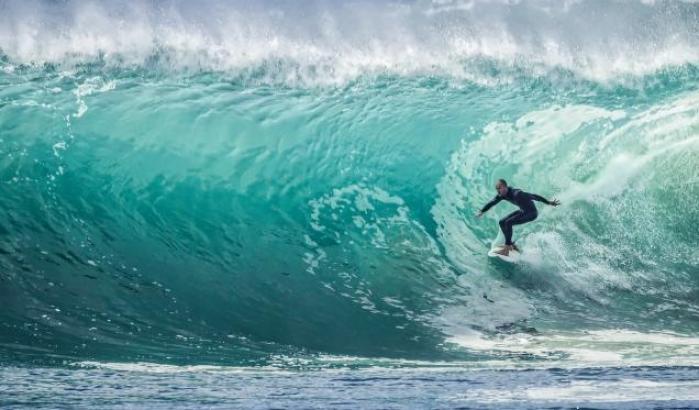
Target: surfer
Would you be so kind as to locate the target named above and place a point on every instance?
(526, 213)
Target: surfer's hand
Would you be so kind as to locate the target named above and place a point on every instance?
(554, 202)
(479, 214)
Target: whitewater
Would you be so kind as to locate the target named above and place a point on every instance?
(273, 204)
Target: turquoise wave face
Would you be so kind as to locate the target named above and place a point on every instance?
(206, 216)
(288, 206)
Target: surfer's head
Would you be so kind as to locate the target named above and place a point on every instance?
(501, 187)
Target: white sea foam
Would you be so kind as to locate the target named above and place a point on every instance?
(334, 42)
(569, 350)
(463, 191)
(620, 391)
(613, 347)
(586, 156)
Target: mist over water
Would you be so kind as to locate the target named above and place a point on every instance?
(316, 42)
(275, 184)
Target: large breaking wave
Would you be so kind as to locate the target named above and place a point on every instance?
(236, 183)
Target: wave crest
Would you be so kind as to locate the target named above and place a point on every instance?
(325, 43)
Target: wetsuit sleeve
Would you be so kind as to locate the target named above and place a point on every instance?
(491, 203)
(538, 198)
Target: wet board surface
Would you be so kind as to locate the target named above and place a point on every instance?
(512, 257)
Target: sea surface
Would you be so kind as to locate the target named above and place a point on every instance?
(272, 204)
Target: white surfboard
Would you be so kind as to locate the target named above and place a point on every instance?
(512, 256)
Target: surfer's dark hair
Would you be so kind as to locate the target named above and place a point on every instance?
(502, 181)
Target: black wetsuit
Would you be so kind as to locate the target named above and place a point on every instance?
(526, 213)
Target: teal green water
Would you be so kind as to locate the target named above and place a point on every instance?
(284, 209)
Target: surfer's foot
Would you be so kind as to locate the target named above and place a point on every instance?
(504, 251)
(515, 248)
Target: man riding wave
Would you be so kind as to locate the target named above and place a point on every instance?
(527, 211)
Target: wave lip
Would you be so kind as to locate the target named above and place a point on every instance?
(334, 43)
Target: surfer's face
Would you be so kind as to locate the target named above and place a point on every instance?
(501, 188)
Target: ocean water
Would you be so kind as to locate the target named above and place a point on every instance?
(272, 204)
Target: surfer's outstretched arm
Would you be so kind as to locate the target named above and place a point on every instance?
(554, 202)
(489, 205)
